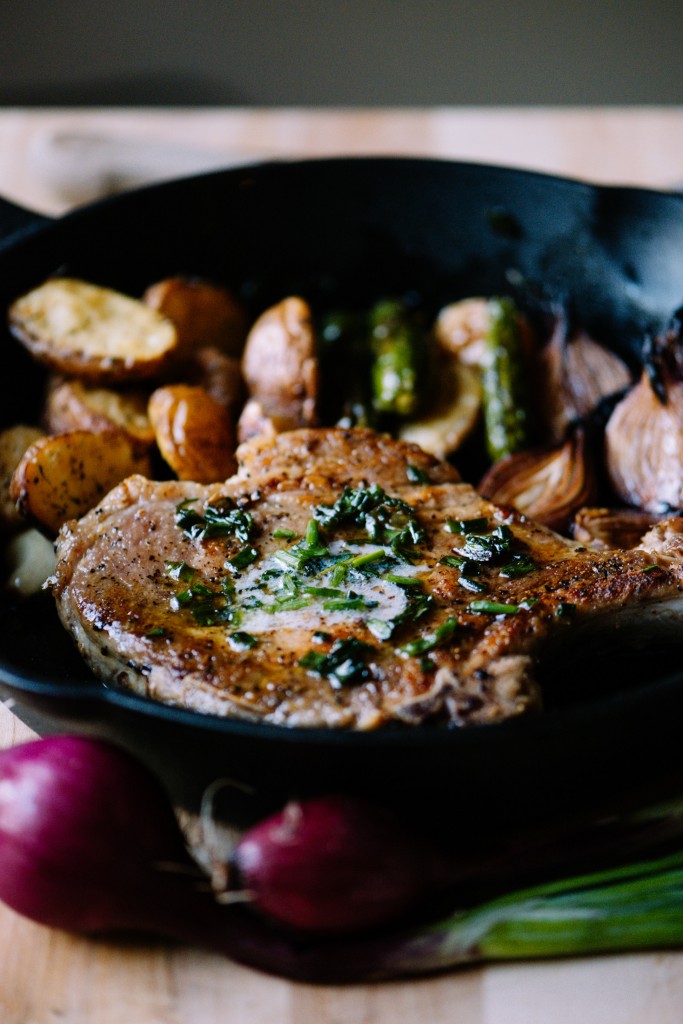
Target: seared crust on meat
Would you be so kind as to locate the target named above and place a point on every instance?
(117, 596)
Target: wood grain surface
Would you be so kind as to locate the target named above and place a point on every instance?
(47, 977)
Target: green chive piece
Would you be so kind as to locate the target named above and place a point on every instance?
(476, 586)
(380, 628)
(324, 591)
(159, 631)
(243, 558)
(241, 641)
(493, 608)
(180, 571)
(282, 533)
(466, 526)
(441, 635)
(403, 581)
(416, 475)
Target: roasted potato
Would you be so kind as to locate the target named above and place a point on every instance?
(84, 330)
(255, 421)
(77, 405)
(218, 374)
(13, 443)
(194, 432)
(203, 313)
(62, 476)
(280, 365)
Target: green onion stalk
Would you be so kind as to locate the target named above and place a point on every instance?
(634, 908)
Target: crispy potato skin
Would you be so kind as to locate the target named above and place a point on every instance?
(60, 477)
(95, 333)
(77, 405)
(204, 313)
(280, 366)
(13, 443)
(194, 432)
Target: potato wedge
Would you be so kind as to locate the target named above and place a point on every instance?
(85, 330)
(454, 415)
(13, 443)
(62, 476)
(220, 375)
(280, 365)
(194, 432)
(256, 420)
(204, 313)
(77, 405)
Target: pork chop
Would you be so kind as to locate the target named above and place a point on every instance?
(340, 579)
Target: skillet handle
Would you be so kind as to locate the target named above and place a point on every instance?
(16, 220)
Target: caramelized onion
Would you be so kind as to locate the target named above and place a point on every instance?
(644, 445)
(548, 485)
(577, 374)
(609, 528)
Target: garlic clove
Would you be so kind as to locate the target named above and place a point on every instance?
(603, 529)
(454, 414)
(549, 485)
(644, 445)
(576, 374)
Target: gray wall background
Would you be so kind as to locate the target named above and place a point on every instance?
(353, 53)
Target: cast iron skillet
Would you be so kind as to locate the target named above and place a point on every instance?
(348, 231)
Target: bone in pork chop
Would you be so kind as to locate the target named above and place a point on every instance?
(339, 579)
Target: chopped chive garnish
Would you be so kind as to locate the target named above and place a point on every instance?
(403, 581)
(441, 635)
(287, 604)
(242, 641)
(324, 591)
(649, 568)
(344, 663)
(288, 585)
(466, 526)
(381, 628)
(282, 533)
(348, 604)
(453, 561)
(476, 586)
(180, 571)
(312, 534)
(221, 518)
(288, 558)
(519, 565)
(416, 475)
(243, 558)
(159, 631)
(493, 608)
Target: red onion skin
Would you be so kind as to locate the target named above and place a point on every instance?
(335, 864)
(88, 840)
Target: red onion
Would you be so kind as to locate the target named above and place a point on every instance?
(335, 864)
(88, 840)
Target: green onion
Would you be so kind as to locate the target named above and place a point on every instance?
(403, 581)
(159, 631)
(416, 475)
(243, 558)
(287, 604)
(242, 641)
(343, 665)
(519, 565)
(324, 591)
(380, 628)
(282, 533)
(348, 604)
(467, 526)
(180, 571)
(423, 644)
(493, 608)
(476, 586)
